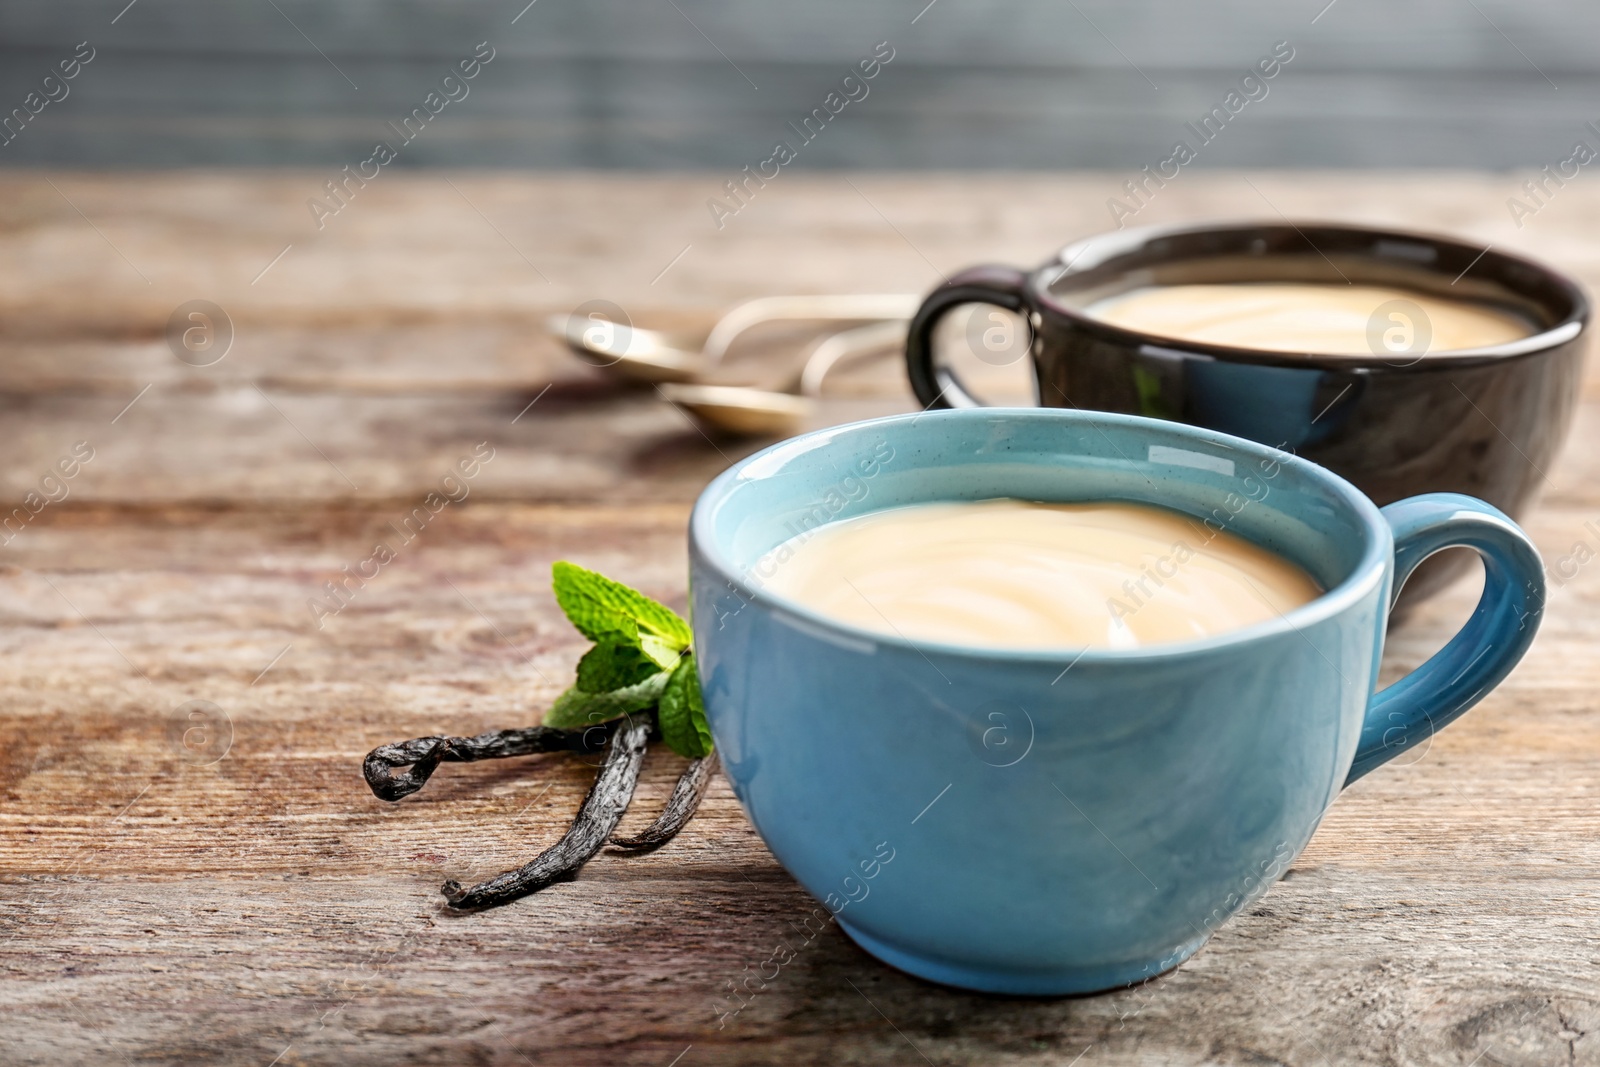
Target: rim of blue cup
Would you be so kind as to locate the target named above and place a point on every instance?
(1370, 568)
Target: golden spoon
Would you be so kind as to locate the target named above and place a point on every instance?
(657, 356)
(746, 410)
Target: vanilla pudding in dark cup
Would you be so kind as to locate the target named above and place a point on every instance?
(1393, 413)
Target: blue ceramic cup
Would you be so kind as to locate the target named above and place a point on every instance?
(1047, 822)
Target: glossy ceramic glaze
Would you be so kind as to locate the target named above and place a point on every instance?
(1485, 422)
(1052, 822)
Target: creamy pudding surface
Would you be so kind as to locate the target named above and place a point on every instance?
(1310, 318)
(1015, 574)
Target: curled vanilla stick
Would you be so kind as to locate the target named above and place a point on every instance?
(680, 808)
(601, 811)
(424, 754)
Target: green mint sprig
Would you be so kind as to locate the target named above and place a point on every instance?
(641, 659)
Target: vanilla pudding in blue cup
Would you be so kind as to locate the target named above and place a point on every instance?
(1044, 820)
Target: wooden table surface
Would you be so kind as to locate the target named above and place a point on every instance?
(160, 904)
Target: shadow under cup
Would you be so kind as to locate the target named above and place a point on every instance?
(1485, 422)
(1046, 822)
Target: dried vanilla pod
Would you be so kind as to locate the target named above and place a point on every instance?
(639, 683)
(680, 808)
(602, 809)
(424, 754)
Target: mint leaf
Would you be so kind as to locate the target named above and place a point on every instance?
(608, 611)
(682, 714)
(640, 656)
(576, 708)
(609, 666)
(663, 653)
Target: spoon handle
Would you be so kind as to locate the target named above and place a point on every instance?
(860, 341)
(773, 308)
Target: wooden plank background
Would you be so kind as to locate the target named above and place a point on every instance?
(999, 84)
(263, 908)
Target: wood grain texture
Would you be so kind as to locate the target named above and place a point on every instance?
(159, 907)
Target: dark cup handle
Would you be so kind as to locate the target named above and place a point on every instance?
(936, 386)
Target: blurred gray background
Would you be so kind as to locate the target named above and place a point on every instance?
(678, 84)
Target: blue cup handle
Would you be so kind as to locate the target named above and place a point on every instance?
(1477, 658)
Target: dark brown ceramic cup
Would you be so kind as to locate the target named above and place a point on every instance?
(1486, 422)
